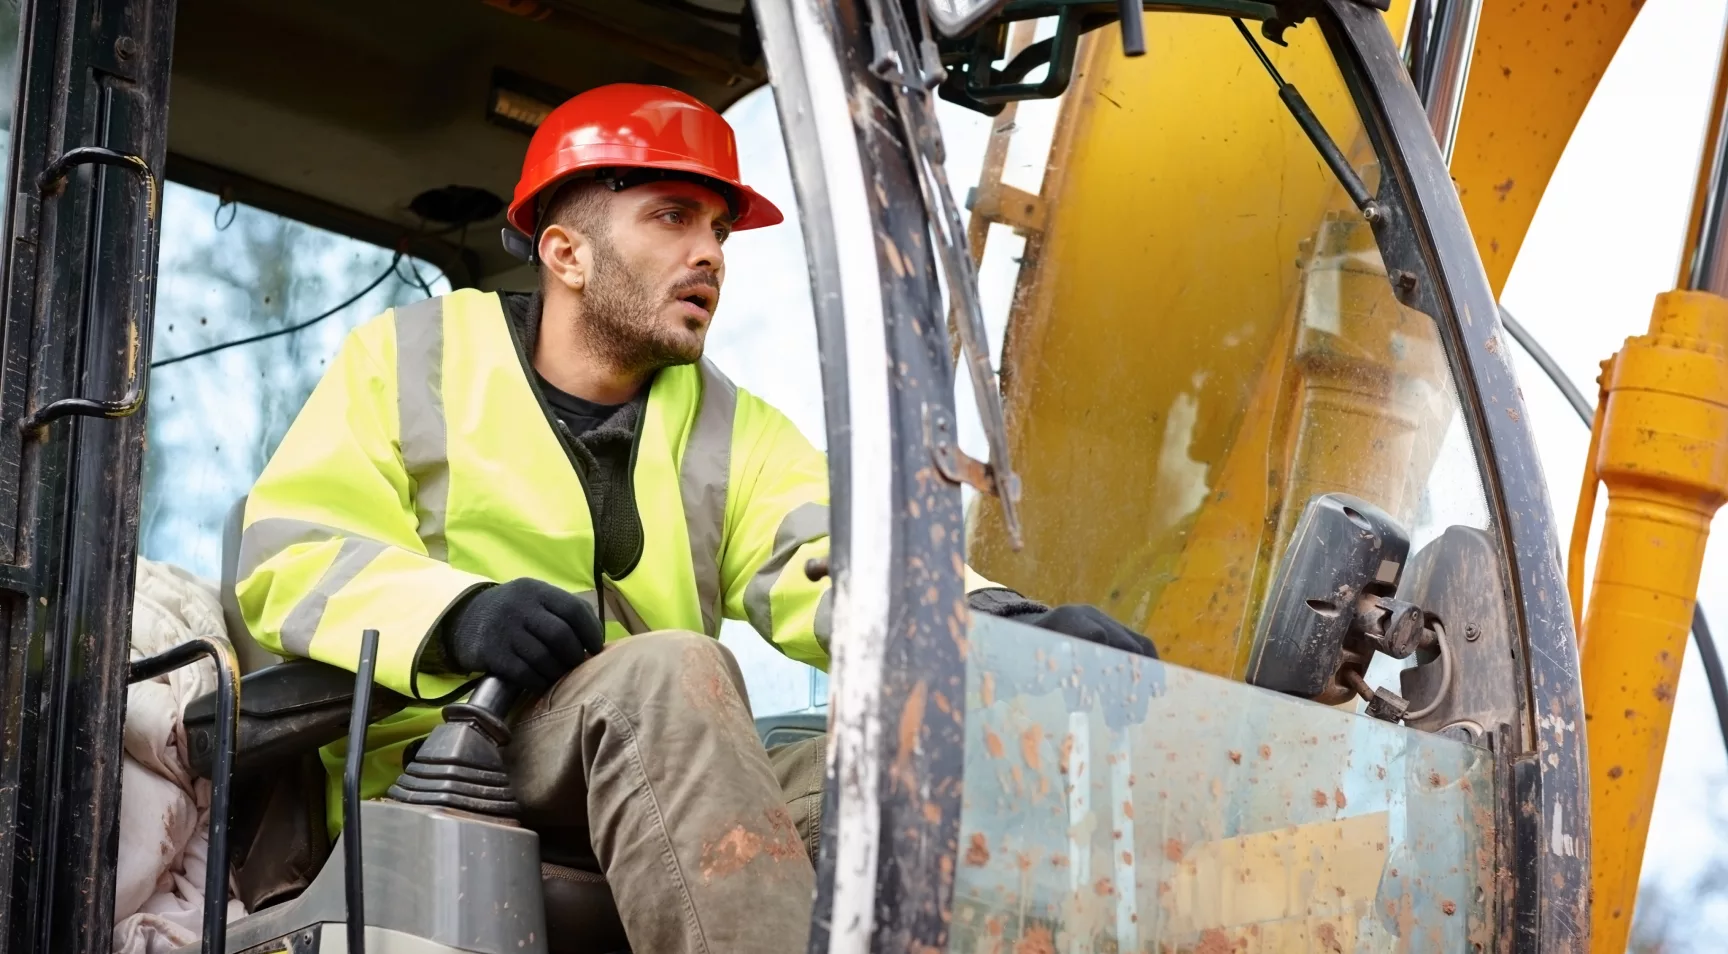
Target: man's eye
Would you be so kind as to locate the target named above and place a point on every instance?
(673, 217)
(722, 234)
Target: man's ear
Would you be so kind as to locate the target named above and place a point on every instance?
(565, 256)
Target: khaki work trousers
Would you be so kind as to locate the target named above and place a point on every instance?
(644, 763)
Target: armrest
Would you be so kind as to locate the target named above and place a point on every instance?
(286, 710)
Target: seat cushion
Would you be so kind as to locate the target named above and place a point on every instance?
(580, 915)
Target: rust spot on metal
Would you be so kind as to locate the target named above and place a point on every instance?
(1029, 741)
(1266, 751)
(1127, 809)
(1505, 188)
(1320, 799)
(992, 744)
(987, 689)
(1327, 935)
(978, 851)
(1212, 941)
(1512, 413)
(1664, 692)
(1616, 772)
(1236, 756)
(1338, 799)
(1063, 753)
(1450, 907)
(1173, 849)
(1103, 888)
(911, 721)
(1436, 779)
(1036, 941)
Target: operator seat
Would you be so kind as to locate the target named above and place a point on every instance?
(289, 710)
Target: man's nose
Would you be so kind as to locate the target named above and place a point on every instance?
(707, 255)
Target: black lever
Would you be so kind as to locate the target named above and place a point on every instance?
(459, 765)
(354, 880)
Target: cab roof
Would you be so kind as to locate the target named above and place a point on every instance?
(340, 113)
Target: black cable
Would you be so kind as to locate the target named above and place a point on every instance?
(418, 281)
(279, 332)
(1701, 635)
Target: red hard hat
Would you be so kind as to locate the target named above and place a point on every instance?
(631, 126)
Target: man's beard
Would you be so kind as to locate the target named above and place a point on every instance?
(619, 311)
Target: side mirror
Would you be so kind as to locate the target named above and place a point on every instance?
(1331, 608)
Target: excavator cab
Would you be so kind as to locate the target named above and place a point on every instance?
(1175, 314)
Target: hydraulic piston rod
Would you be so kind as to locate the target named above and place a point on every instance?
(1660, 444)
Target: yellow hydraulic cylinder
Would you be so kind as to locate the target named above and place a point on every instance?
(1661, 447)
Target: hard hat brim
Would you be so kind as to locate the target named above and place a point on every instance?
(754, 210)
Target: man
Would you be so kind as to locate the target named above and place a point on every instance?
(507, 484)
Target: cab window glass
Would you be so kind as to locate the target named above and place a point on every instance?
(1201, 337)
(230, 272)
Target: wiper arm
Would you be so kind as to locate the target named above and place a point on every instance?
(1353, 185)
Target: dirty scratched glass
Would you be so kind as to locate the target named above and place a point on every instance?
(1114, 804)
(1203, 336)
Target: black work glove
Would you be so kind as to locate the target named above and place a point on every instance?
(1075, 619)
(526, 632)
(1094, 626)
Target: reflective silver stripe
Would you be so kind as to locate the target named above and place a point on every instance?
(265, 538)
(302, 622)
(702, 477)
(618, 609)
(805, 523)
(420, 410)
(824, 617)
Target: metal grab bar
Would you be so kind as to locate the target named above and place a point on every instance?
(221, 771)
(52, 182)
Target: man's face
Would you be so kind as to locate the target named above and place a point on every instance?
(656, 272)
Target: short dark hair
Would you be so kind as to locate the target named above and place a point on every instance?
(579, 204)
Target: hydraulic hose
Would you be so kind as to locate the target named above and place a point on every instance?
(1701, 635)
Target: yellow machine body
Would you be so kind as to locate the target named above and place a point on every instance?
(1660, 446)
(1201, 312)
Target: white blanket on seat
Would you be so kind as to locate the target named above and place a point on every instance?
(164, 811)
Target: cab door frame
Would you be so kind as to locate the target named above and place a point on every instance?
(79, 278)
(886, 873)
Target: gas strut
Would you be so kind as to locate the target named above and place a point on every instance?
(1317, 134)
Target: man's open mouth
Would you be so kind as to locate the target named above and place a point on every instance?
(703, 298)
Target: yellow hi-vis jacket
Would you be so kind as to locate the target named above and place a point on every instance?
(424, 465)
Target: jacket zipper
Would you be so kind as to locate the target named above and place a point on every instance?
(566, 440)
